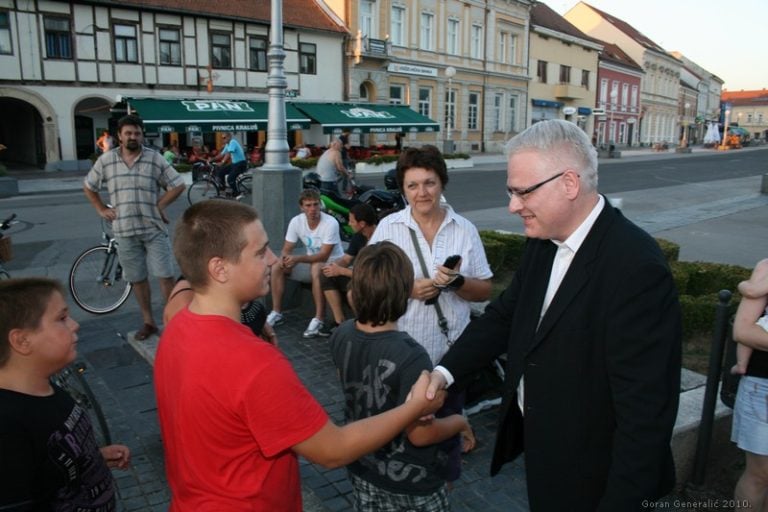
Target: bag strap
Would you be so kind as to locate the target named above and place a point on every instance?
(441, 321)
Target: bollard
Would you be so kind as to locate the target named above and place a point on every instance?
(710, 392)
(764, 184)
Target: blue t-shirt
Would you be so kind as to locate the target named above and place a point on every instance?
(235, 149)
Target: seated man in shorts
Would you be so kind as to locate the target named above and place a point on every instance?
(337, 274)
(319, 232)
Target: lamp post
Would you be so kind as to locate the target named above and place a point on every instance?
(277, 183)
(684, 142)
(614, 95)
(724, 145)
(450, 72)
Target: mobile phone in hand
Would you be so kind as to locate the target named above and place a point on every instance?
(450, 262)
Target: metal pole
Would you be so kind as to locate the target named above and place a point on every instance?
(710, 393)
(277, 183)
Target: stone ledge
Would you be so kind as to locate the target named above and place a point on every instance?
(8, 186)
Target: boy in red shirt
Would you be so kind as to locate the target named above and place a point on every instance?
(233, 413)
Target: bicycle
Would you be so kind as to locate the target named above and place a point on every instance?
(208, 185)
(96, 279)
(72, 380)
(6, 251)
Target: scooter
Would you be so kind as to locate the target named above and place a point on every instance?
(383, 202)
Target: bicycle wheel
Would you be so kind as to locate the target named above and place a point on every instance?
(4, 274)
(201, 190)
(72, 380)
(245, 186)
(96, 281)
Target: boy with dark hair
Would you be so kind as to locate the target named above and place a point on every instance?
(336, 275)
(377, 364)
(233, 413)
(50, 460)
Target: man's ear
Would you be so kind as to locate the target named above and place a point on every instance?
(572, 183)
(218, 269)
(19, 342)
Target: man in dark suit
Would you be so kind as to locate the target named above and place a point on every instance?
(591, 328)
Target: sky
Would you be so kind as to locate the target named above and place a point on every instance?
(726, 38)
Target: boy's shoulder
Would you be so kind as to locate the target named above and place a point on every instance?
(395, 341)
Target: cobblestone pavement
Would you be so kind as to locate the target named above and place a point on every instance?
(122, 381)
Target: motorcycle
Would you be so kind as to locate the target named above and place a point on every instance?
(337, 205)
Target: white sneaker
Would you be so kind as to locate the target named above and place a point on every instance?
(314, 328)
(274, 318)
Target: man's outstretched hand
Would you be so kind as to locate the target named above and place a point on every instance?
(437, 382)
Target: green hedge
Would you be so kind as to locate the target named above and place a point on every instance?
(698, 283)
(305, 163)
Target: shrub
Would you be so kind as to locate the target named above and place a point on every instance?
(381, 159)
(456, 156)
(671, 250)
(703, 278)
(304, 163)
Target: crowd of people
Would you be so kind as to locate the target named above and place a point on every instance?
(590, 326)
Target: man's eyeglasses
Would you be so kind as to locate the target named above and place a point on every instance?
(521, 193)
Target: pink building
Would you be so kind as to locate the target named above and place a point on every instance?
(618, 112)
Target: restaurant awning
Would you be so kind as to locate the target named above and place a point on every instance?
(367, 118)
(209, 115)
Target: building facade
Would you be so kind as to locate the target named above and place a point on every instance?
(463, 64)
(749, 110)
(709, 87)
(618, 103)
(659, 118)
(566, 65)
(63, 65)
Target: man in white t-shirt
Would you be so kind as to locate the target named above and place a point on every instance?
(319, 233)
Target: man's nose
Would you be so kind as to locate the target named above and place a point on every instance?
(515, 204)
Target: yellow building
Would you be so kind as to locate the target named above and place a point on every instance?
(463, 64)
(565, 60)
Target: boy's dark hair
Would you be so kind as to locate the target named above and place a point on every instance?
(309, 193)
(427, 157)
(23, 302)
(364, 212)
(381, 283)
(207, 230)
(130, 120)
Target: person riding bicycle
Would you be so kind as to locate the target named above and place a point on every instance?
(329, 166)
(234, 163)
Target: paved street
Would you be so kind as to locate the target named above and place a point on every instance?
(719, 220)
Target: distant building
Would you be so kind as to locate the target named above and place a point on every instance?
(709, 87)
(565, 62)
(749, 110)
(618, 98)
(64, 64)
(404, 51)
(660, 91)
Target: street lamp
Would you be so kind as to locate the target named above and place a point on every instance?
(614, 94)
(277, 184)
(684, 142)
(450, 72)
(725, 129)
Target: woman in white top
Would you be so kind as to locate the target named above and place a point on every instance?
(440, 233)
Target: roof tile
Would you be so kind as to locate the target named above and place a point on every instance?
(296, 13)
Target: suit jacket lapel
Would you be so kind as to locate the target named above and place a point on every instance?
(577, 276)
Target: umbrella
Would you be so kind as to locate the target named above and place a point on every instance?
(713, 134)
